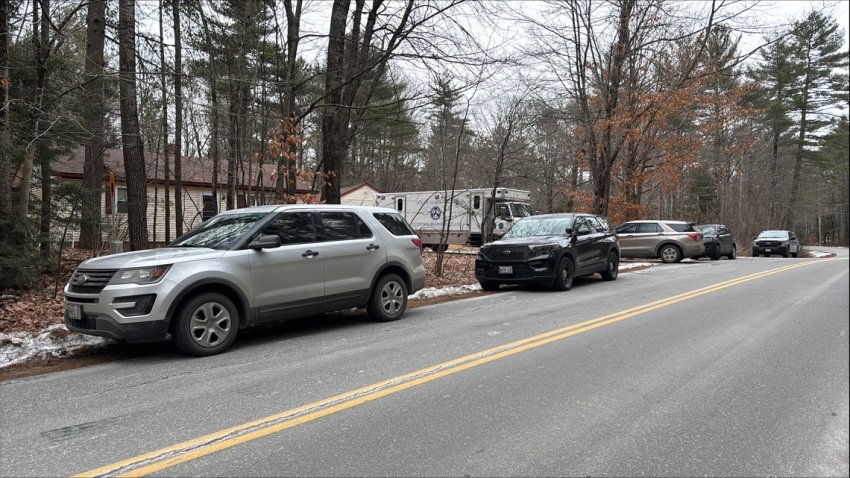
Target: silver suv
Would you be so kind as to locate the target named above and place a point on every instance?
(245, 267)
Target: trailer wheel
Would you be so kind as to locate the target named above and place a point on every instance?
(439, 247)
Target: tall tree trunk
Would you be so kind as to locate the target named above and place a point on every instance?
(333, 128)
(178, 121)
(5, 137)
(40, 44)
(131, 139)
(90, 236)
(41, 81)
(214, 153)
(238, 93)
(166, 168)
(291, 117)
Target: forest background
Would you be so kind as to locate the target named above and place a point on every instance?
(731, 112)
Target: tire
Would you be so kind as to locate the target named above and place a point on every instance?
(439, 247)
(564, 275)
(388, 300)
(734, 254)
(489, 285)
(795, 254)
(715, 253)
(205, 325)
(612, 267)
(786, 254)
(670, 253)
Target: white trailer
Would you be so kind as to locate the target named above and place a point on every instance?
(463, 216)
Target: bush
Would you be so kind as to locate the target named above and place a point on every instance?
(20, 265)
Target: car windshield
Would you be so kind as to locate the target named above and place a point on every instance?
(219, 232)
(520, 210)
(540, 226)
(774, 235)
(708, 229)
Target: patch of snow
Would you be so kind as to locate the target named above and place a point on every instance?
(819, 254)
(430, 292)
(624, 266)
(52, 342)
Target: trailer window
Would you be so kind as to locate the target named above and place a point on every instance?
(399, 205)
(521, 210)
(476, 202)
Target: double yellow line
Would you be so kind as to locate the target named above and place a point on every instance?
(189, 450)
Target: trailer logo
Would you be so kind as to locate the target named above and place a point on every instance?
(436, 213)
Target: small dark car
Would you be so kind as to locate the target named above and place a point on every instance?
(718, 241)
(550, 249)
(782, 243)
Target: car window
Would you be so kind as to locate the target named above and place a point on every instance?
(723, 230)
(395, 224)
(540, 226)
(709, 229)
(627, 228)
(604, 223)
(594, 224)
(583, 223)
(681, 227)
(649, 227)
(292, 227)
(220, 232)
(343, 226)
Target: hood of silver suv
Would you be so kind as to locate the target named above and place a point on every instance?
(150, 257)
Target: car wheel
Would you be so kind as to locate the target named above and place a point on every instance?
(715, 253)
(388, 300)
(489, 285)
(670, 253)
(795, 254)
(205, 325)
(564, 275)
(786, 254)
(734, 254)
(612, 267)
(439, 247)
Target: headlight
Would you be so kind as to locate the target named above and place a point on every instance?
(544, 249)
(141, 275)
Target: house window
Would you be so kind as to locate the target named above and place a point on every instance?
(209, 205)
(121, 200)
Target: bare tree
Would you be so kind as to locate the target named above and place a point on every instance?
(134, 163)
(178, 120)
(5, 138)
(93, 90)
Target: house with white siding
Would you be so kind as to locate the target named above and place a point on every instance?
(255, 185)
(363, 194)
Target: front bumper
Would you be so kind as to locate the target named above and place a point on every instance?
(772, 250)
(129, 313)
(539, 271)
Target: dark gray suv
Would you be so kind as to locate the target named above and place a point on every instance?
(550, 249)
(245, 267)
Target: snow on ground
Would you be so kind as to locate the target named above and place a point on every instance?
(53, 342)
(820, 254)
(56, 341)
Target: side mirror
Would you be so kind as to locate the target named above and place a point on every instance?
(265, 241)
(570, 231)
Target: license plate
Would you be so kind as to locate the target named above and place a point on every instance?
(74, 311)
(767, 250)
(506, 269)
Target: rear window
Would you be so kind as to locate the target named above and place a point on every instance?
(682, 227)
(395, 224)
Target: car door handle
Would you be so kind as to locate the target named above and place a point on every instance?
(310, 254)
(372, 247)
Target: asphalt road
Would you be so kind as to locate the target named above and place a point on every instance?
(719, 368)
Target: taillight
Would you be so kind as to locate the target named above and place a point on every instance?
(418, 243)
(694, 236)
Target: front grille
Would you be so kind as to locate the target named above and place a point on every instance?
(90, 281)
(768, 243)
(507, 253)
